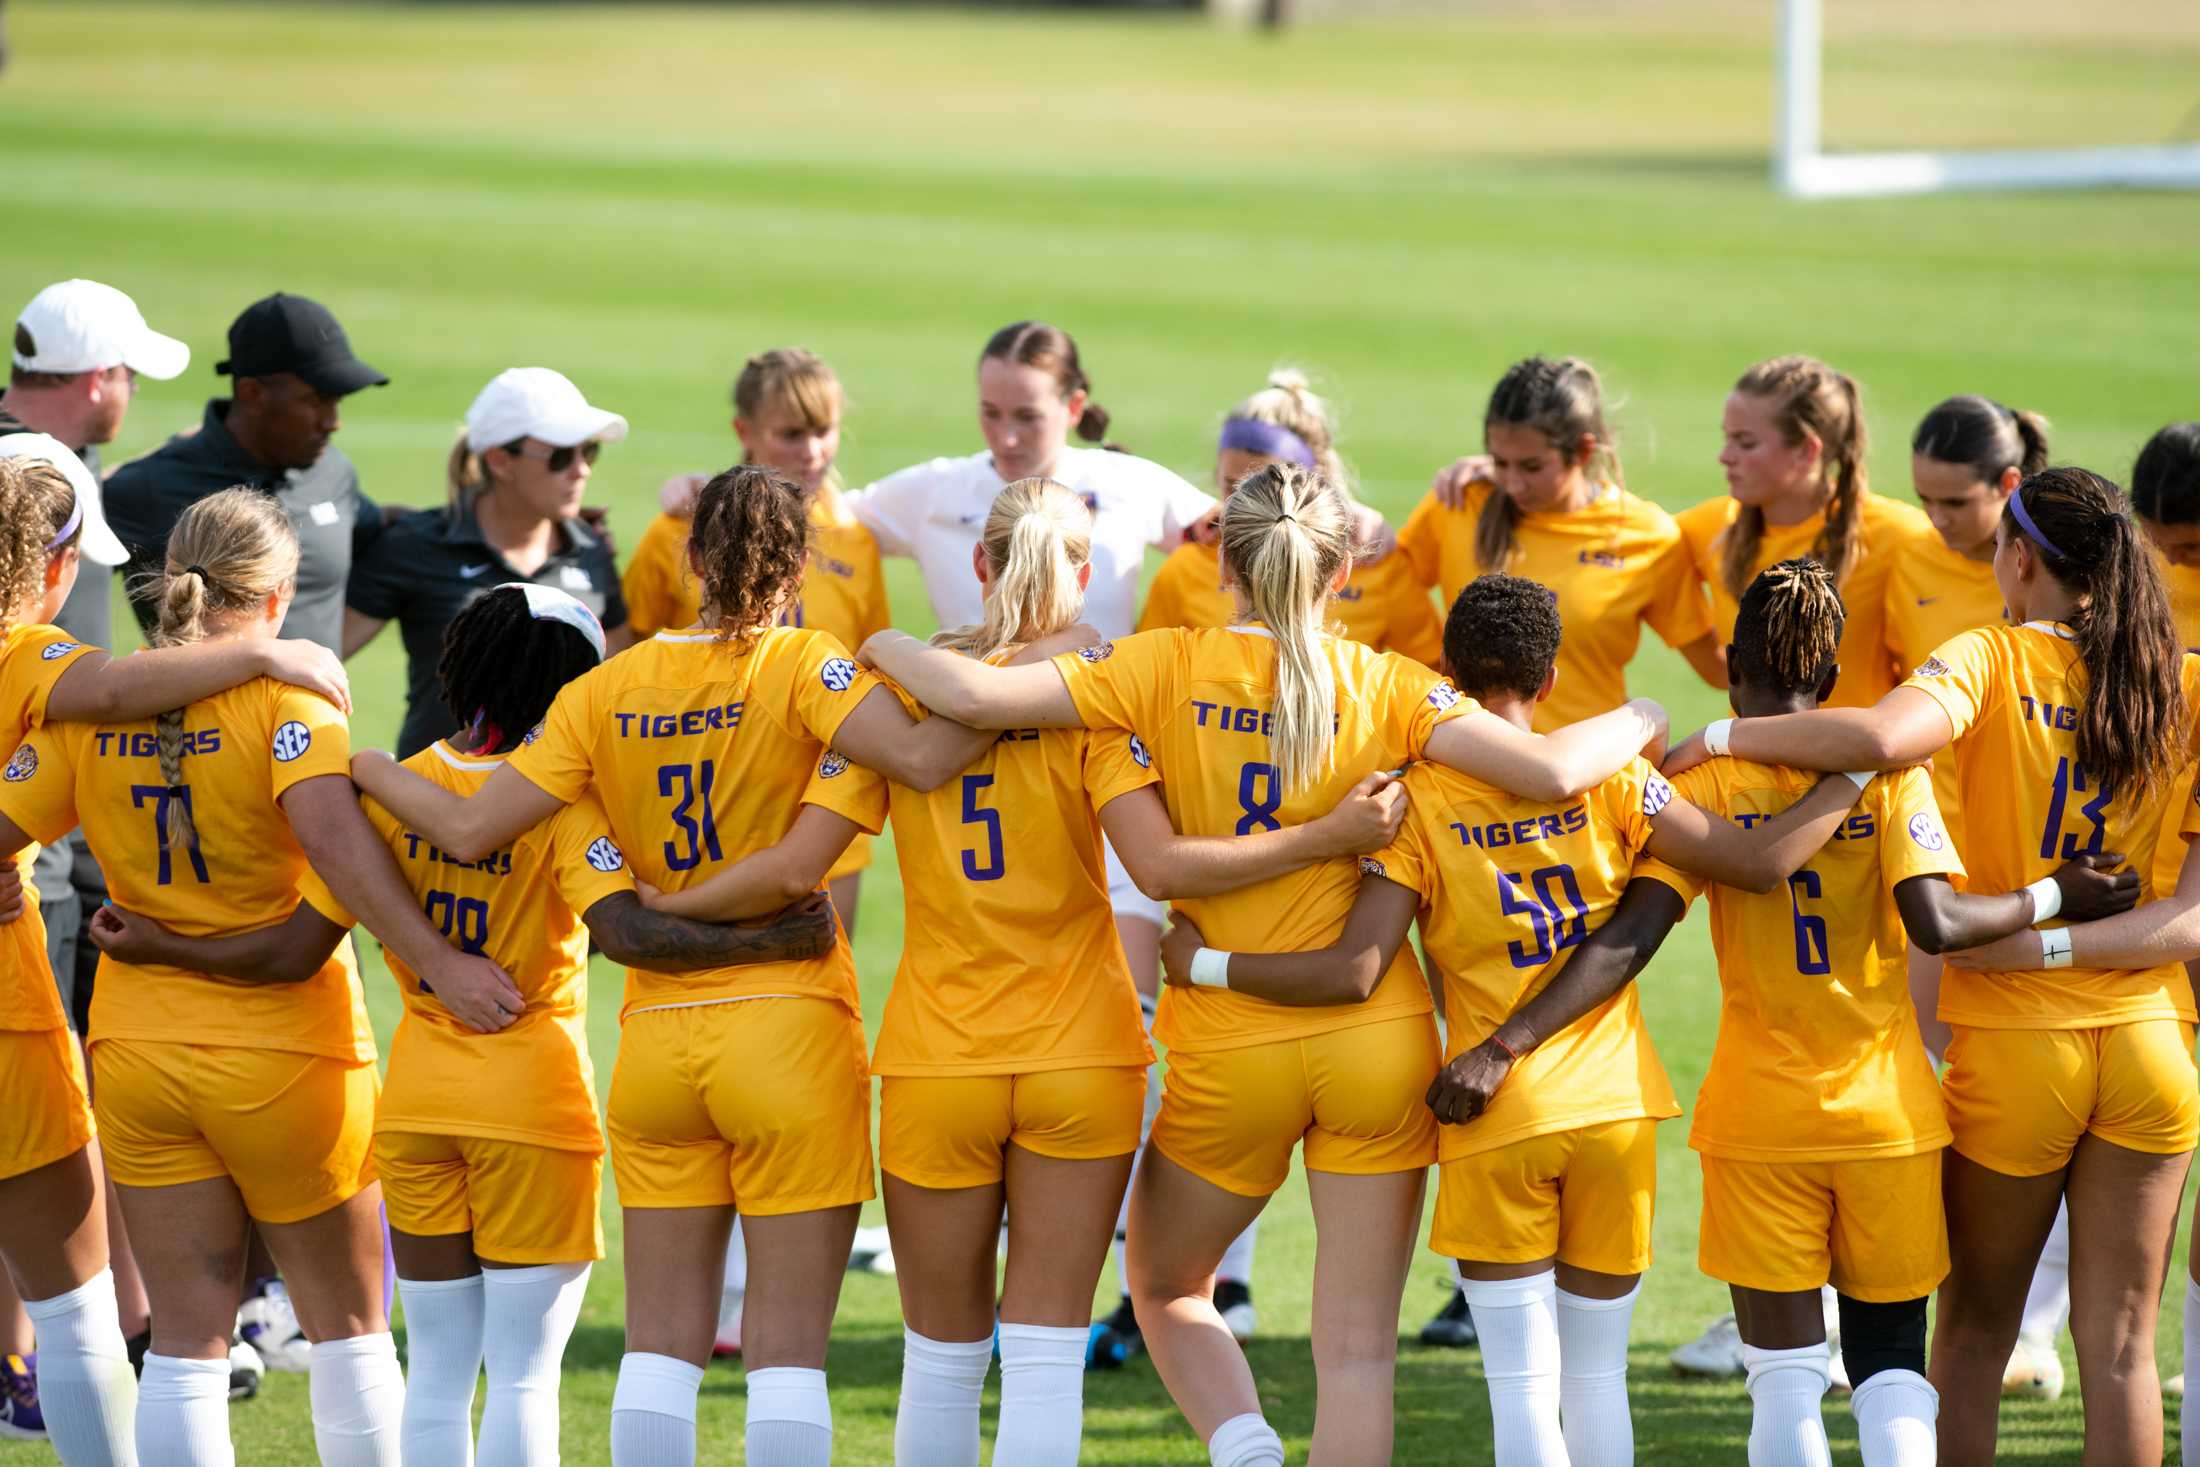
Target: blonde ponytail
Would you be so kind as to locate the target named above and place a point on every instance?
(1038, 535)
(228, 553)
(1286, 532)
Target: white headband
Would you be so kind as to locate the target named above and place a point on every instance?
(547, 603)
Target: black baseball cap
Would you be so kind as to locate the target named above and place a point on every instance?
(288, 333)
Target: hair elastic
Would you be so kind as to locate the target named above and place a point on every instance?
(2024, 522)
(1269, 440)
(76, 517)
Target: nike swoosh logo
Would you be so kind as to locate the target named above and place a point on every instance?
(1927, 600)
(472, 572)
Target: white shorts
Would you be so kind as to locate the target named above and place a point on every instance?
(1126, 899)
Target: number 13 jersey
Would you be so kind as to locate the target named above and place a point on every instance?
(1200, 702)
(2012, 696)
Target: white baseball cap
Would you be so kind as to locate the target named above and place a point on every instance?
(83, 326)
(535, 402)
(97, 543)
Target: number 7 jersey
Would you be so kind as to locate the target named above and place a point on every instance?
(2012, 696)
(1200, 703)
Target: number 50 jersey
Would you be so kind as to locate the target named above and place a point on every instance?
(241, 750)
(1508, 889)
(1201, 702)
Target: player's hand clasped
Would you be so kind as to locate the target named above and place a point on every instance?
(2092, 887)
(478, 993)
(1464, 1088)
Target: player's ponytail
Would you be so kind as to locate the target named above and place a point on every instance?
(1562, 400)
(1038, 535)
(748, 543)
(1787, 632)
(1979, 434)
(1808, 400)
(2132, 724)
(227, 554)
(1286, 533)
(36, 505)
(1289, 402)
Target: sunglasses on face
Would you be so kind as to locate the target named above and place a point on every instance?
(557, 460)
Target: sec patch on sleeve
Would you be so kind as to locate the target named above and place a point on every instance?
(604, 854)
(1657, 793)
(59, 650)
(838, 673)
(1443, 696)
(1926, 831)
(291, 740)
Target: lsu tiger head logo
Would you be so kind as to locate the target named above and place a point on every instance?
(1140, 753)
(22, 766)
(1100, 653)
(1932, 667)
(833, 763)
(1369, 866)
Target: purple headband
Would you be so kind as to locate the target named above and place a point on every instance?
(76, 517)
(2024, 522)
(1250, 435)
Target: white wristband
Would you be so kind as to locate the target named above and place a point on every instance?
(1716, 735)
(2046, 899)
(2055, 948)
(1861, 777)
(1211, 968)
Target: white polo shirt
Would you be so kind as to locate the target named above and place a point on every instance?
(935, 512)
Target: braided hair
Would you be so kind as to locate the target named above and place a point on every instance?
(1809, 400)
(502, 666)
(1787, 633)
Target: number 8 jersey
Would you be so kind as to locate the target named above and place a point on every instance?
(2012, 696)
(241, 750)
(1200, 702)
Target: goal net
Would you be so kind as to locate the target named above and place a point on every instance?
(1919, 96)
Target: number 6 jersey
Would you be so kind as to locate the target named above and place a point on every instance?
(1200, 702)
(241, 750)
(2012, 696)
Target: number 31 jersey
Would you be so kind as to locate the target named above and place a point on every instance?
(1201, 702)
(2012, 696)
(1818, 1056)
(701, 751)
(520, 908)
(1508, 888)
(241, 750)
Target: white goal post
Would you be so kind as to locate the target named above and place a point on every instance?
(1801, 169)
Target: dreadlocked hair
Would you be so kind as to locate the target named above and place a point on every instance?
(749, 539)
(228, 553)
(1037, 535)
(1286, 532)
(1502, 636)
(36, 500)
(502, 665)
(2131, 725)
(1562, 400)
(1787, 633)
(1809, 400)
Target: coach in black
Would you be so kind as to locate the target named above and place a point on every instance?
(293, 365)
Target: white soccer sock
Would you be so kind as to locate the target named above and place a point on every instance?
(2188, 1430)
(84, 1379)
(2047, 1301)
(529, 1315)
(737, 1261)
(936, 1424)
(1785, 1386)
(1245, 1441)
(1517, 1320)
(1895, 1414)
(1458, 1279)
(653, 1411)
(791, 1417)
(358, 1396)
(183, 1413)
(1042, 1395)
(442, 1360)
(1592, 1364)
(1237, 1259)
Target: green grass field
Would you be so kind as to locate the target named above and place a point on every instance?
(642, 196)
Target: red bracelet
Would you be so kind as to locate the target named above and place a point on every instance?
(1510, 1052)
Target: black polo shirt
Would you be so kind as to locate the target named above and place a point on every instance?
(429, 565)
(88, 614)
(335, 521)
